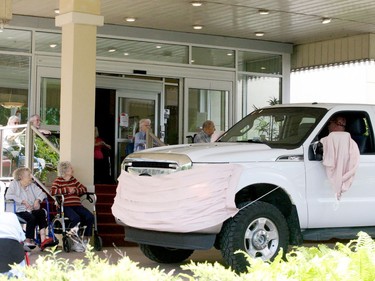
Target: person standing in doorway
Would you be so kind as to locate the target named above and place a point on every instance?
(140, 137)
(101, 159)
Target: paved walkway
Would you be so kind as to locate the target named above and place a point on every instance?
(137, 256)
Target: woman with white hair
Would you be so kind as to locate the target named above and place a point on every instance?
(66, 184)
(12, 139)
(140, 137)
(27, 197)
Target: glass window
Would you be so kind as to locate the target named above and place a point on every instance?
(48, 42)
(259, 62)
(50, 101)
(213, 57)
(14, 87)
(258, 91)
(207, 105)
(284, 127)
(138, 50)
(12, 40)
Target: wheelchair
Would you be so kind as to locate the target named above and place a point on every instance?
(61, 223)
(10, 206)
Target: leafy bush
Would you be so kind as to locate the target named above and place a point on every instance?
(353, 261)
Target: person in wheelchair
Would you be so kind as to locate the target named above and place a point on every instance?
(27, 197)
(66, 184)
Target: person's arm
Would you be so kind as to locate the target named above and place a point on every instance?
(13, 193)
(39, 196)
(81, 189)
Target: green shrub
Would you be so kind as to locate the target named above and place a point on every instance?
(353, 261)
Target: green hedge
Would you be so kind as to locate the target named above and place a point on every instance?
(353, 261)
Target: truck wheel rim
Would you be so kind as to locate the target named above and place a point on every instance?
(261, 239)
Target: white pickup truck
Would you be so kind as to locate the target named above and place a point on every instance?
(278, 193)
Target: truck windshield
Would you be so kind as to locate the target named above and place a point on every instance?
(279, 127)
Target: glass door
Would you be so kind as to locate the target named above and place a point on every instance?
(130, 109)
(207, 100)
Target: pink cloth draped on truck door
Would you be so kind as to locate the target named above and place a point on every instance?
(341, 159)
(183, 201)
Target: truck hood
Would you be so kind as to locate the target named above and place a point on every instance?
(223, 152)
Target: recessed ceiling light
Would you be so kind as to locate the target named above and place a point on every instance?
(126, 54)
(197, 27)
(111, 50)
(259, 33)
(196, 3)
(229, 54)
(263, 68)
(263, 12)
(130, 19)
(53, 45)
(57, 11)
(158, 47)
(326, 20)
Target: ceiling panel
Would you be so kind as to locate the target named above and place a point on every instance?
(288, 21)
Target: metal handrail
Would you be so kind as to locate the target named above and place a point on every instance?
(29, 150)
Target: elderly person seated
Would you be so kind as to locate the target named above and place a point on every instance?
(35, 121)
(66, 184)
(27, 197)
(12, 137)
(208, 128)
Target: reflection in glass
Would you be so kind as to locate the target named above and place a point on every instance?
(14, 86)
(12, 40)
(213, 57)
(207, 105)
(277, 127)
(48, 42)
(259, 62)
(258, 91)
(50, 101)
(140, 50)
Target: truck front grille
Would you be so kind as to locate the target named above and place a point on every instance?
(155, 163)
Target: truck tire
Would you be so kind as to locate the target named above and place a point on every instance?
(259, 229)
(165, 255)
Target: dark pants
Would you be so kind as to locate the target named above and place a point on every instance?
(11, 252)
(78, 214)
(33, 219)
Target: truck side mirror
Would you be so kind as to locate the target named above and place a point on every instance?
(316, 151)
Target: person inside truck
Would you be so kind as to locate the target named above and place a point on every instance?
(208, 128)
(340, 156)
(337, 124)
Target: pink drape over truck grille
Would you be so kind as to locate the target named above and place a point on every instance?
(184, 201)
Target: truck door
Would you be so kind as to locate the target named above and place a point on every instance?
(357, 205)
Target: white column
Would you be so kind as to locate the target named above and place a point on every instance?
(79, 20)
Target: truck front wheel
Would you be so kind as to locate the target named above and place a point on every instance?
(259, 229)
(165, 255)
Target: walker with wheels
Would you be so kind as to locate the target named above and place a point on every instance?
(61, 223)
